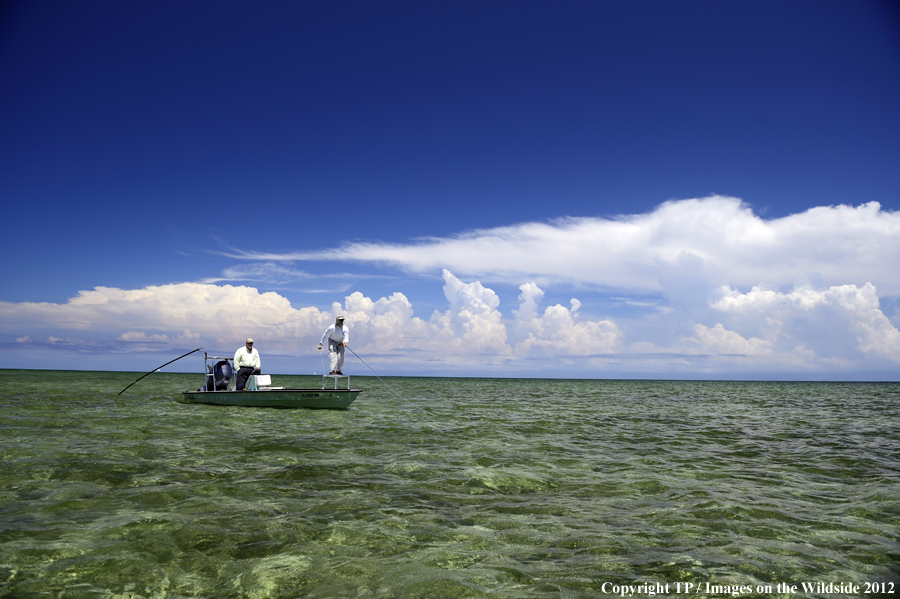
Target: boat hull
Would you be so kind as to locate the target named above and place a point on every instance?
(316, 399)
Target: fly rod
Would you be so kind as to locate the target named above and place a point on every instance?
(155, 369)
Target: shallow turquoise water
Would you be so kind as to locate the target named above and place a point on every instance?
(458, 488)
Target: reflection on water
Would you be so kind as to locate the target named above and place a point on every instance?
(466, 488)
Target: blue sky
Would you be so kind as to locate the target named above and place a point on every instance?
(714, 184)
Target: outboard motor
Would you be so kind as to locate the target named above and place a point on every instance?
(222, 375)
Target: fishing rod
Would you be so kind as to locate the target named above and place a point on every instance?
(155, 369)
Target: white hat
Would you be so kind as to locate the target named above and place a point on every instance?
(249, 340)
(340, 317)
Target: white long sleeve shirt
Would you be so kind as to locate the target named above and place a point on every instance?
(341, 335)
(244, 358)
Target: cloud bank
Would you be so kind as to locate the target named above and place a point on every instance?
(735, 295)
(717, 236)
(180, 315)
(838, 329)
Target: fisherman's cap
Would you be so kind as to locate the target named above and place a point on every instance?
(249, 340)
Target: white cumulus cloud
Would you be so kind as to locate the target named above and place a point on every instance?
(177, 313)
(836, 320)
(695, 286)
(718, 238)
(470, 330)
(557, 330)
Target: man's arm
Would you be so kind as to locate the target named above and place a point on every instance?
(325, 334)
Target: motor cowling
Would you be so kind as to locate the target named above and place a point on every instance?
(222, 375)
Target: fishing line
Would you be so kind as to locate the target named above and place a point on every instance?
(388, 386)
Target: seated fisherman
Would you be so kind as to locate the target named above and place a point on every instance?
(246, 362)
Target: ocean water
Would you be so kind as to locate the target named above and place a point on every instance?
(449, 488)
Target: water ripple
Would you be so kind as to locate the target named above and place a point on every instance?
(467, 488)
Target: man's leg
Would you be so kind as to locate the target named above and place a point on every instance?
(241, 379)
(340, 359)
(332, 357)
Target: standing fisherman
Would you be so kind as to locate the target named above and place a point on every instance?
(338, 338)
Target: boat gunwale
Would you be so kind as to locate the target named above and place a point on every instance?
(313, 399)
(270, 389)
